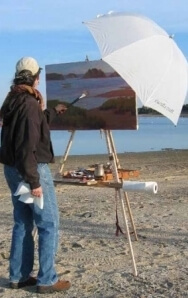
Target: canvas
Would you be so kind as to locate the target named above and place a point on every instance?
(110, 103)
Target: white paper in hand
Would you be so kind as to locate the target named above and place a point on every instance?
(26, 197)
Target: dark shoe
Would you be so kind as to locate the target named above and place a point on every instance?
(31, 281)
(60, 285)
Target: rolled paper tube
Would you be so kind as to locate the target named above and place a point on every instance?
(138, 186)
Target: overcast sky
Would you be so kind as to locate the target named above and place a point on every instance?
(52, 31)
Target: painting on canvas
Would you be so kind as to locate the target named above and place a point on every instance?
(109, 102)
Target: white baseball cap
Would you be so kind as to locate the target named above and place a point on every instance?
(27, 63)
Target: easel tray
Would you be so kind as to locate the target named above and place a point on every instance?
(122, 173)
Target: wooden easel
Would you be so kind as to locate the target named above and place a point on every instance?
(122, 195)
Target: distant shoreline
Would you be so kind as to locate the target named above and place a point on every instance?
(183, 115)
(125, 154)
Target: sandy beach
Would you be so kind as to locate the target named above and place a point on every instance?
(92, 257)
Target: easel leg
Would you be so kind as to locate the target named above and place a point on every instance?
(112, 145)
(114, 150)
(125, 194)
(130, 215)
(35, 232)
(127, 231)
(62, 162)
(113, 159)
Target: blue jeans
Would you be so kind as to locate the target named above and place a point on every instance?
(47, 222)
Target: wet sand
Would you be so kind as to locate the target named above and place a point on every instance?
(92, 257)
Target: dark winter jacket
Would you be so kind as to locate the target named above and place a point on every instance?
(25, 135)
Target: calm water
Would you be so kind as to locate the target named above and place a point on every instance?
(154, 134)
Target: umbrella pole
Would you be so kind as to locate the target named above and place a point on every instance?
(113, 160)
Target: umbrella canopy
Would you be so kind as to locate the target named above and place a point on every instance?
(146, 57)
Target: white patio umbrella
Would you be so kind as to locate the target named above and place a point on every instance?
(146, 57)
